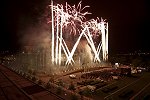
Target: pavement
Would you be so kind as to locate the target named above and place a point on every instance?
(16, 87)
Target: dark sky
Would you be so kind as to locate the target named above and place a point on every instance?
(128, 21)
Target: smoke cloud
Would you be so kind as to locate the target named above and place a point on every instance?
(85, 52)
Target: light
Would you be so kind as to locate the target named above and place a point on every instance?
(69, 18)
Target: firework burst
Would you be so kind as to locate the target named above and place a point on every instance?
(71, 20)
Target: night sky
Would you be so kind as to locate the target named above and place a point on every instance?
(128, 21)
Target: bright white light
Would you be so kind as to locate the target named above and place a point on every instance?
(72, 19)
(52, 54)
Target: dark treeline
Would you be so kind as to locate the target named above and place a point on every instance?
(139, 60)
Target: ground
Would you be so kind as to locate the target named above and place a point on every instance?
(126, 87)
(95, 83)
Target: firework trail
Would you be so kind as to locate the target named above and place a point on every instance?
(72, 19)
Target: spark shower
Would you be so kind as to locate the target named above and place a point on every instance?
(71, 20)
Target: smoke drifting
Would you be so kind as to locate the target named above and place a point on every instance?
(85, 52)
(32, 27)
(35, 35)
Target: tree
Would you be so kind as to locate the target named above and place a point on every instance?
(51, 79)
(59, 90)
(60, 83)
(87, 92)
(40, 82)
(74, 97)
(34, 78)
(71, 86)
(48, 86)
(123, 60)
(137, 62)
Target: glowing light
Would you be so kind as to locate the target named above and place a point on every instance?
(72, 19)
(57, 32)
(52, 33)
(74, 47)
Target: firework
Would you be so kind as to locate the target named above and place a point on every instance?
(72, 19)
